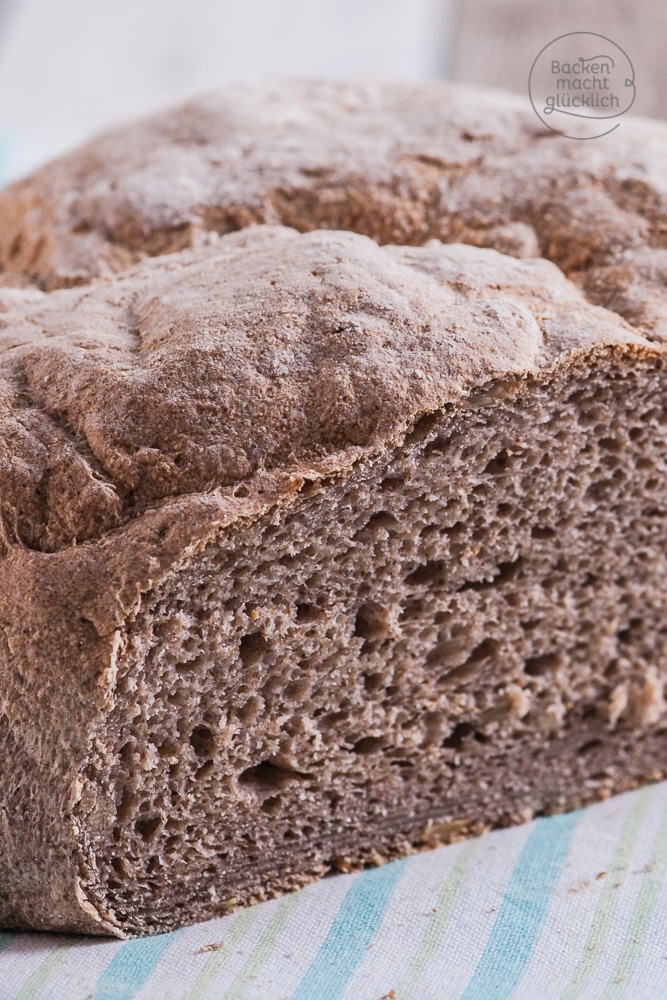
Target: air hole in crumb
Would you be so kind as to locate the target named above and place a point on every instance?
(250, 709)
(127, 805)
(531, 624)
(296, 690)
(252, 647)
(437, 445)
(331, 719)
(505, 572)
(498, 464)
(430, 572)
(590, 745)
(597, 490)
(381, 519)
(308, 613)
(241, 491)
(466, 671)
(392, 483)
(370, 620)
(271, 805)
(373, 682)
(423, 426)
(267, 776)
(309, 487)
(483, 651)
(178, 697)
(612, 669)
(625, 634)
(147, 827)
(118, 867)
(459, 733)
(202, 771)
(369, 744)
(187, 666)
(536, 666)
(541, 531)
(201, 741)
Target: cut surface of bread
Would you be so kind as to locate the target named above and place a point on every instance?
(463, 632)
(316, 549)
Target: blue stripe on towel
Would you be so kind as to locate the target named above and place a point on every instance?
(517, 927)
(130, 967)
(351, 933)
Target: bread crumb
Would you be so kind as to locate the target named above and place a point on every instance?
(648, 703)
(601, 875)
(618, 703)
(215, 946)
(518, 700)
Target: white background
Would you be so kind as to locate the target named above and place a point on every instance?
(71, 67)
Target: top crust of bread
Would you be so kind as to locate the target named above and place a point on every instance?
(401, 163)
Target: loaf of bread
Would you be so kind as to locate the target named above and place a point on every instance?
(313, 550)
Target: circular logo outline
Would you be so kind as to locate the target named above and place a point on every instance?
(631, 83)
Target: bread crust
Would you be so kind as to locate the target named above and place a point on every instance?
(402, 163)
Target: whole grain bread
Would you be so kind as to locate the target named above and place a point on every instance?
(316, 551)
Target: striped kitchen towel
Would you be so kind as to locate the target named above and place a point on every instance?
(570, 907)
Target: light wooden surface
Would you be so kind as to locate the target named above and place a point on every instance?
(494, 42)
